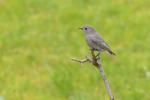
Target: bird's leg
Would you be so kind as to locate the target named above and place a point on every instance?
(94, 58)
(92, 52)
(98, 54)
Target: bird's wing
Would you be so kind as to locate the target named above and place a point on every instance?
(97, 40)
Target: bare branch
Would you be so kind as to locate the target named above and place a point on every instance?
(87, 59)
(95, 60)
(97, 63)
(80, 61)
(105, 81)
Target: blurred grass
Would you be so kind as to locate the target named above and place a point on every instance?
(37, 38)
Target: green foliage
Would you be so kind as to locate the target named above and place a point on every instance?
(37, 38)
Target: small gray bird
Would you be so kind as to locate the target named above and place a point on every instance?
(94, 40)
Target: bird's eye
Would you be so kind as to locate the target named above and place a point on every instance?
(86, 28)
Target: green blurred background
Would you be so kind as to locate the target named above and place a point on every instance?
(37, 38)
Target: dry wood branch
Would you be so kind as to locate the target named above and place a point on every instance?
(95, 60)
(105, 81)
(87, 59)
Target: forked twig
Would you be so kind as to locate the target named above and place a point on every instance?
(87, 59)
(95, 60)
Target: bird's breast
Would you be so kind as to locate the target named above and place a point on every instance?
(89, 40)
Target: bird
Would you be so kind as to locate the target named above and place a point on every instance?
(95, 40)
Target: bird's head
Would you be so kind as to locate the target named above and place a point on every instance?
(87, 29)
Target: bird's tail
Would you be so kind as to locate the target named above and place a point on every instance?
(111, 52)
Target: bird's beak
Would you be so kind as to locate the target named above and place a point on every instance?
(80, 28)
